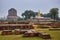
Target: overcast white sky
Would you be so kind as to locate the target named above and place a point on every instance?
(21, 5)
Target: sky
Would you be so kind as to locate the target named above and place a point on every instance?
(21, 5)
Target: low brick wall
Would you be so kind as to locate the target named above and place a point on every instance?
(44, 35)
(6, 32)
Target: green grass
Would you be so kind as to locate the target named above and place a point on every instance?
(54, 34)
(18, 37)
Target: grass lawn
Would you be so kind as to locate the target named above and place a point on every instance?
(54, 34)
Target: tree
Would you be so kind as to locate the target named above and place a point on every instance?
(28, 14)
(46, 15)
(54, 13)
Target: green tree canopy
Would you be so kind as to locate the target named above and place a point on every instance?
(28, 14)
(54, 13)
